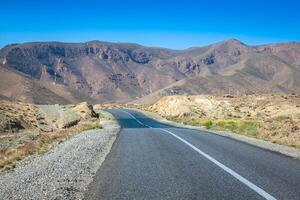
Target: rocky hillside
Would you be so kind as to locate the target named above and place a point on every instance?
(15, 117)
(270, 117)
(120, 72)
(27, 129)
(17, 86)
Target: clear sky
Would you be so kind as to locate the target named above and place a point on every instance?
(173, 24)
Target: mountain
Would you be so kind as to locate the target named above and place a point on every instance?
(17, 86)
(121, 72)
(103, 71)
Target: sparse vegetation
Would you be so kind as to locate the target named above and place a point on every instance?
(41, 144)
(245, 127)
(274, 118)
(39, 128)
(207, 123)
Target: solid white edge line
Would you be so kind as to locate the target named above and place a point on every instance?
(243, 180)
(225, 168)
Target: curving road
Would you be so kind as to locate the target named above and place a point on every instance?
(151, 160)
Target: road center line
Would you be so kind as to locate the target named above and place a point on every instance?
(243, 180)
(138, 121)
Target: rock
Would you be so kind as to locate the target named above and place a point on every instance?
(140, 56)
(208, 60)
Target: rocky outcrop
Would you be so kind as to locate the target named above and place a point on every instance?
(208, 60)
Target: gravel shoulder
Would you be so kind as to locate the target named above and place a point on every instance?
(65, 171)
(289, 151)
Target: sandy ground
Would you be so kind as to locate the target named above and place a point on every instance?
(27, 129)
(271, 117)
(65, 171)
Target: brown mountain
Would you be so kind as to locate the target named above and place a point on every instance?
(121, 72)
(17, 86)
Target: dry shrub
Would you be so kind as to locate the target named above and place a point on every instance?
(43, 142)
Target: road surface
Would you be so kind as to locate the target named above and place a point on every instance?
(151, 160)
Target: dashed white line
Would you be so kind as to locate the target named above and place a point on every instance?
(243, 180)
(138, 121)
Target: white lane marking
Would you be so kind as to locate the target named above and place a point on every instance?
(136, 119)
(225, 168)
(251, 185)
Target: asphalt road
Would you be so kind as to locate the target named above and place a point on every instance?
(151, 160)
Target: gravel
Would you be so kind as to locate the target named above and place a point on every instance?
(65, 171)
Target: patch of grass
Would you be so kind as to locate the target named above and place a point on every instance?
(207, 123)
(41, 144)
(90, 126)
(245, 127)
(9, 167)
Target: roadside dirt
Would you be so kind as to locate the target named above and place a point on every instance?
(275, 118)
(27, 129)
(66, 170)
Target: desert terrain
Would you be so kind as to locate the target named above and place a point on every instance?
(274, 118)
(52, 146)
(52, 151)
(64, 105)
(28, 129)
(149, 100)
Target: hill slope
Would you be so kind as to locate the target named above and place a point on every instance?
(270, 117)
(120, 72)
(16, 86)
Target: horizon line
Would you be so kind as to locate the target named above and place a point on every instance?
(148, 46)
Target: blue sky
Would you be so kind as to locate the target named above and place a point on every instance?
(173, 24)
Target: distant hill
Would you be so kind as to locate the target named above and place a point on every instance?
(120, 72)
(16, 86)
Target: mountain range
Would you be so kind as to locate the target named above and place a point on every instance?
(55, 72)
